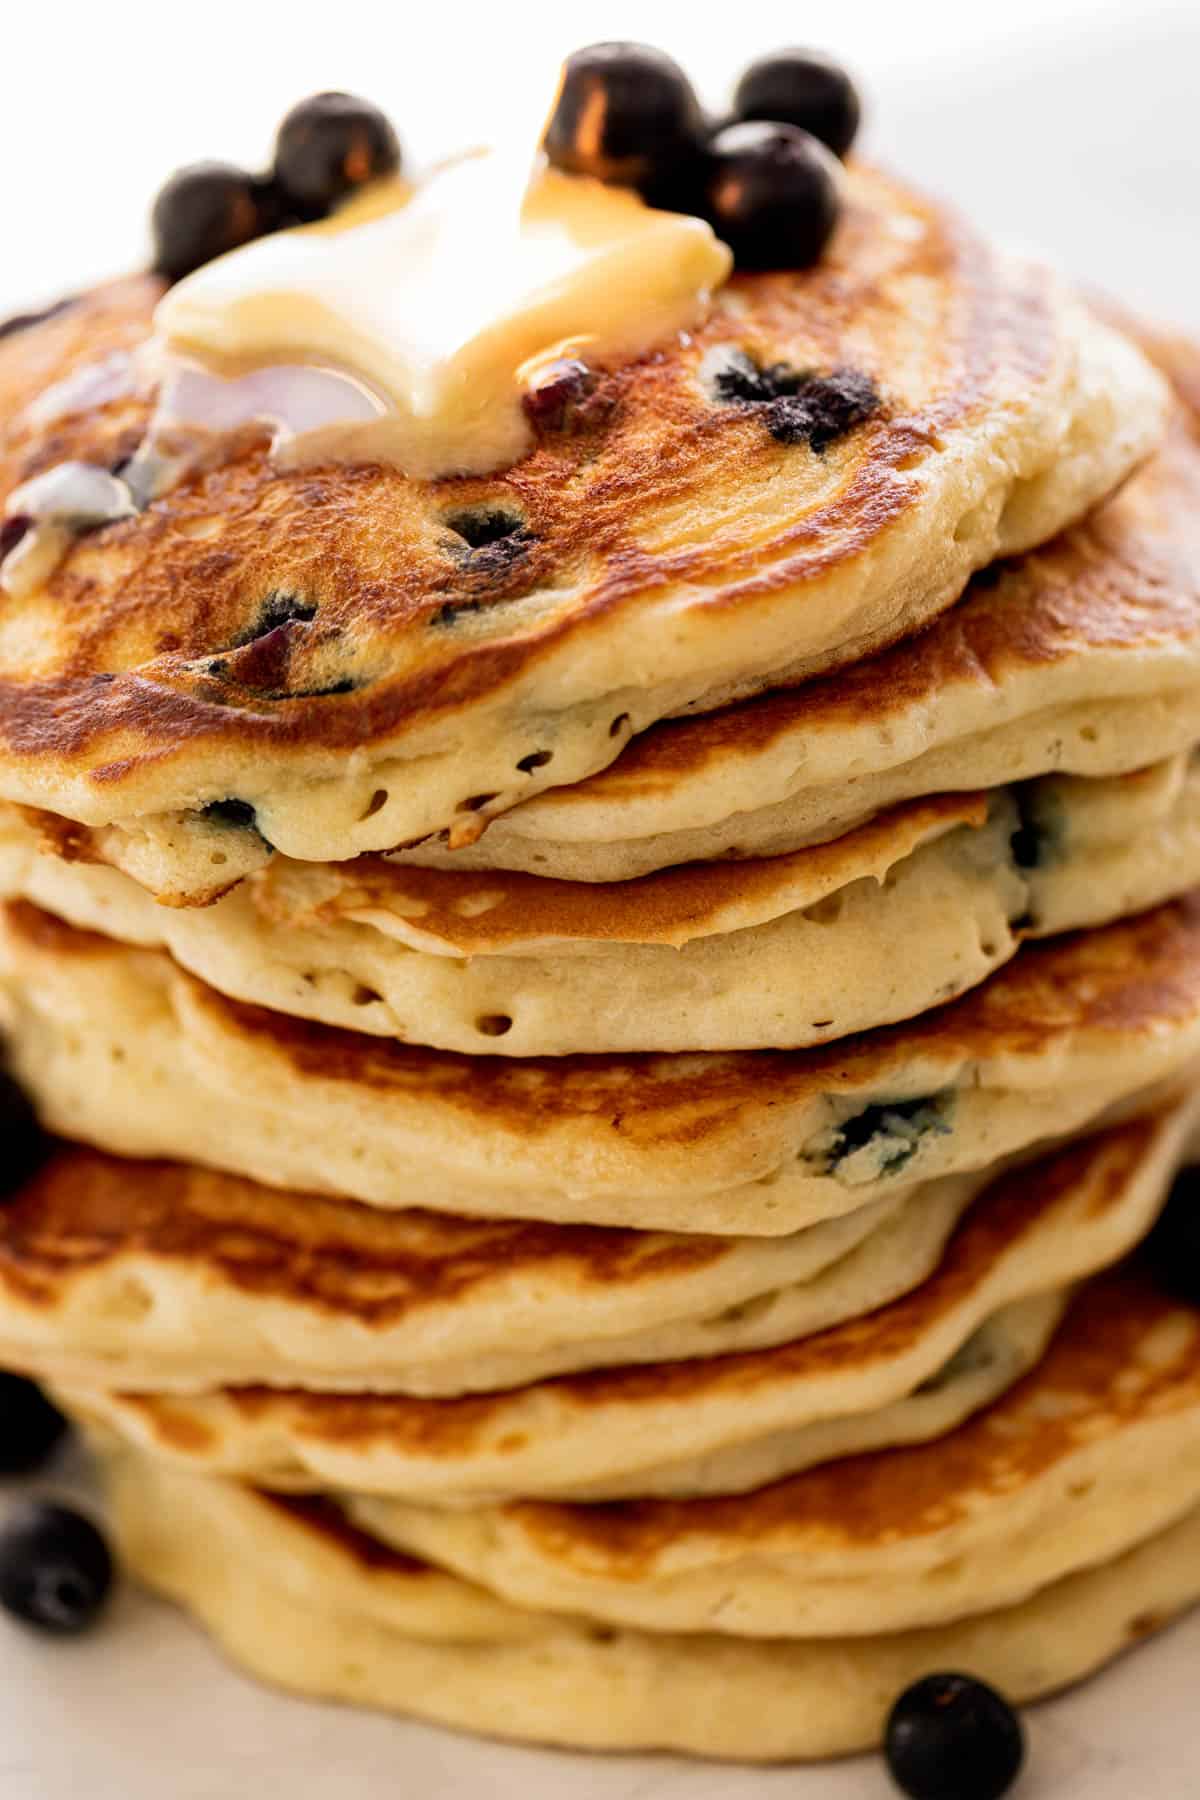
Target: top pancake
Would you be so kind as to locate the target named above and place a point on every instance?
(363, 659)
(1083, 656)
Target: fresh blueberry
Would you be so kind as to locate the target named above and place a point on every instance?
(772, 194)
(25, 1143)
(329, 145)
(203, 211)
(801, 87)
(1172, 1250)
(30, 1427)
(625, 114)
(951, 1737)
(55, 1568)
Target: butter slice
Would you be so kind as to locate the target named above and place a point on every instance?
(432, 303)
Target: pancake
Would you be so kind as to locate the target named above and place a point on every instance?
(185, 1429)
(123, 1050)
(1083, 657)
(898, 916)
(1093, 1451)
(161, 1276)
(342, 660)
(721, 1425)
(308, 1605)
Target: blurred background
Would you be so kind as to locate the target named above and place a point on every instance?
(1065, 125)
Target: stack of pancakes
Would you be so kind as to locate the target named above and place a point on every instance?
(614, 1027)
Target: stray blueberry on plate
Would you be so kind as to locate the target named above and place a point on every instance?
(25, 1143)
(626, 114)
(30, 1426)
(56, 1571)
(804, 88)
(203, 211)
(772, 195)
(1172, 1250)
(951, 1737)
(329, 145)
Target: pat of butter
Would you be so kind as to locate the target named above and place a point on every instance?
(426, 307)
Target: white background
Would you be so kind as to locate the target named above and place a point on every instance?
(1069, 124)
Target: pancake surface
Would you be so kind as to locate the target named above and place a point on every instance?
(723, 1424)
(902, 914)
(474, 641)
(121, 1049)
(309, 1605)
(158, 1275)
(1095, 1449)
(1083, 656)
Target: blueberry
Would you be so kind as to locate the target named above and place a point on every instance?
(55, 1568)
(801, 87)
(329, 145)
(951, 1737)
(25, 1143)
(626, 114)
(1172, 1250)
(772, 194)
(560, 389)
(30, 1427)
(203, 211)
(12, 530)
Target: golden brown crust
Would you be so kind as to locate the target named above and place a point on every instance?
(1138, 977)
(1009, 1209)
(1125, 580)
(85, 1210)
(152, 619)
(1124, 1352)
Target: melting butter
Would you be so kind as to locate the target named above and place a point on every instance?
(403, 329)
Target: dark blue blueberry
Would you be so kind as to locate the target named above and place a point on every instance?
(1172, 1250)
(798, 407)
(203, 211)
(772, 193)
(951, 1737)
(626, 114)
(804, 88)
(329, 145)
(56, 1571)
(30, 1427)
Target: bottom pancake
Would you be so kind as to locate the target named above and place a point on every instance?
(302, 1601)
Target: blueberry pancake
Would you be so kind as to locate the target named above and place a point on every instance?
(1102, 1439)
(1083, 657)
(896, 916)
(722, 1424)
(341, 658)
(122, 1049)
(600, 936)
